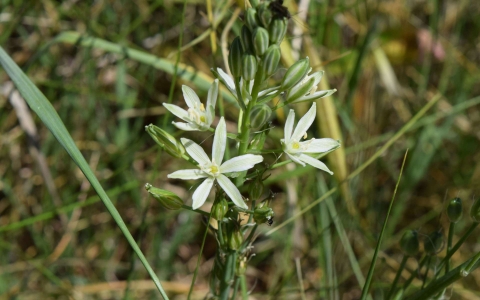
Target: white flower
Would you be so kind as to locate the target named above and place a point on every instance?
(198, 117)
(300, 152)
(214, 169)
(306, 89)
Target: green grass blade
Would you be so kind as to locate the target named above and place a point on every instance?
(366, 287)
(42, 107)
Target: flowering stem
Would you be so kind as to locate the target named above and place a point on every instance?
(229, 271)
(243, 284)
(451, 231)
(397, 277)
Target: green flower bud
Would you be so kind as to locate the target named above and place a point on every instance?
(433, 243)
(165, 140)
(249, 67)
(300, 90)
(271, 58)
(254, 3)
(409, 243)
(251, 18)
(166, 198)
(455, 210)
(235, 240)
(260, 40)
(277, 30)
(475, 211)
(263, 215)
(247, 39)
(264, 14)
(259, 116)
(235, 57)
(295, 74)
(219, 209)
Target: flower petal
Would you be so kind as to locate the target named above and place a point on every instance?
(188, 174)
(318, 76)
(219, 142)
(315, 96)
(240, 163)
(195, 151)
(187, 126)
(201, 193)
(227, 80)
(289, 126)
(295, 159)
(231, 191)
(191, 97)
(320, 145)
(315, 163)
(305, 123)
(177, 111)
(212, 101)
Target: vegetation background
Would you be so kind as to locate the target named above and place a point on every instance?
(387, 59)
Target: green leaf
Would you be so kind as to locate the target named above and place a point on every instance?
(42, 107)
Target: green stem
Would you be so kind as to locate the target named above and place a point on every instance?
(228, 272)
(471, 265)
(451, 231)
(243, 284)
(196, 210)
(414, 273)
(397, 277)
(429, 259)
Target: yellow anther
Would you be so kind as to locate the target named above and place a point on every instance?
(202, 108)
(305, 136)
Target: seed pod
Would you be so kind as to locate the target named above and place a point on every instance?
(263, 215)
(295, 74)
(475, 211)
(235, 57)
(259, 116)
(260, 40)
(235, 240)
(165, 140)
(271, 58)
(166, 198)
(251, 18)
(409, 243)
(264, 14)
(455, 210)
(433, 243)
(249, 67)
(219, 209)
(277, 30)
(247, 40)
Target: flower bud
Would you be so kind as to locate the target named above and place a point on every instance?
(254, 3)
(219, 209)
(249, 67)
(264, 14)
(300, 89)
(277, 30)
(271, 58)
(295, 74)
(455, 210)
(247, 40)
(409, 243)
(235, 240)
(165, 140)
(263, 215)
(166, 198)
(235, 57)
(260, 40)
(260, 115)
(433, 243)
(475, 211)
(251, 18)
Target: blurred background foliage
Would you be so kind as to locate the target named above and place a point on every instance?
(386, 58)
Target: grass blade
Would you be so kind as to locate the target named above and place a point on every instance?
(42, 107)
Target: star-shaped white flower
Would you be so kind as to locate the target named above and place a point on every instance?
(197, 117)
(300, 152)
(214, 169)
(306, 89)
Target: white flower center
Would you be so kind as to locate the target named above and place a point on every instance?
(197, 114)
(296, 147)
(211, 169)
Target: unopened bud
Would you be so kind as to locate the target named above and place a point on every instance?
(455, 210)
(433, 243)
(247, 40)
(235, 57)
(264, 14)
(277, 30)
(219, 209)
(263, 215)
(235, 240)
(295, 74)
(260, 40)
(409, 243)
(249, 67)
(475, 211)
(165, 140)
(166, 198)
(271, 59)
(251, 18)
(260, 115)
(300, 90)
